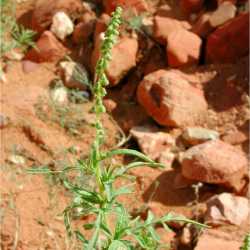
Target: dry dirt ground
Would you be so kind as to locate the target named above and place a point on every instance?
(31, 205)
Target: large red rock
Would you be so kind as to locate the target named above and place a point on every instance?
(122, 60)
(229, 42)
(45, 9)
(216, 162)
(48, 49)
(191, 6)
(183, 48)
(138, 5)
(170, 100)
(164, 26)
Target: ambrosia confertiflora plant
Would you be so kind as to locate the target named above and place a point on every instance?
(112, 228)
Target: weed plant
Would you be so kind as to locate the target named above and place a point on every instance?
(112, 228)
(12, 35)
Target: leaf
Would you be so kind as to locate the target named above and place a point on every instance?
(131, 152)
(117, 245)
(85, 194)
(67, 222)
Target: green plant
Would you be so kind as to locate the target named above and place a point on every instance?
(12, 35)
(112, 228)
(246, 244)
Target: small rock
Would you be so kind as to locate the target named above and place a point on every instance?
(62, 26)
(197, 135)
(224, 13)
(17, 159)
(216, 162)
(229, 42)
(227, 208)
(29, 66)
(170, 100)
(164, 26)
(216, 240)
(110, 105)
(181, 53)
(4, 121)
(74, 75)
(60, 95)
(186, 236)
(157, 145)
(47, 49)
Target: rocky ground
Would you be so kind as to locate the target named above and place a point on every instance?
(178, 90)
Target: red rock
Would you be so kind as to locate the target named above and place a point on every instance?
(48, 49)
(216, 162)
(123, 58)
(217, 240)
(170, 100)
(138, 5)
(29, 66)
(229, 42)
(45, 9)
(84, 29)
(183, 48)
(191, 6)
(164, 26)
(226, 208)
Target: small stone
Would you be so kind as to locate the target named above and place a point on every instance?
(74, 75)
(191, 6)
(62, 26)
(181, 53)
(225, 12)
(60, 95)
(227, 208)
(197, 135)
(235, 137)
(186, 236)
(164, 26)
(47, 49)
(181, 182)
(17, 159)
